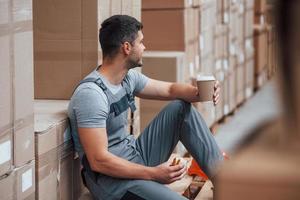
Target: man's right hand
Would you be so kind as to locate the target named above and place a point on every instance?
(164, 173)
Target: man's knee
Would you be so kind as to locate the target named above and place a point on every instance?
(179, 105)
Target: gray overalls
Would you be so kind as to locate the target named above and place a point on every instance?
(177, 121)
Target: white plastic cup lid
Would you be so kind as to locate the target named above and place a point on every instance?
(205, 78)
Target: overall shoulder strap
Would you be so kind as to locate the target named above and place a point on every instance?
(129, 94)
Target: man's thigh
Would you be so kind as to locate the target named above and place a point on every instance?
(158, 140)
(151, 190)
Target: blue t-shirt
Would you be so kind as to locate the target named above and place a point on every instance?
(89, 107)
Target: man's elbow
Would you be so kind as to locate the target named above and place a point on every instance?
(98, 162)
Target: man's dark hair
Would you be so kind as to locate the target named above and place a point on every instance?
(115, 31)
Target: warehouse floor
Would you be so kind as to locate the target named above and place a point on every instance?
(262, 106)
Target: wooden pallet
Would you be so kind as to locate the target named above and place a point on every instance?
(206, 192)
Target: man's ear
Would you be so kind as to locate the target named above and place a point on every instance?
(126, 47)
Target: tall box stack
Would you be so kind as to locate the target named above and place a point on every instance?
(221, 53)
(260, 55)
(56, 167)
(208, 19)
(161, 34)
(260, 43)
(260, 8)
(249, 48)
(234, 51)
(240, 45)
(161, 65)
(65, 45)
(16, 105)
(221, 66)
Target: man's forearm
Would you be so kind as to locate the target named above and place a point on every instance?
(186, 92)
(115, 166)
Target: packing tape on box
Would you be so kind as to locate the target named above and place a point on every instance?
(49, 161)
(24, 122)
(15, 27)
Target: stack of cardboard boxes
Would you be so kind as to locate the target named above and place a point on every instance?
(57, 174)
(66, 49)
(249, 48)
(208, 21)
(182, 35)
(55, 44)
(17, 164)
(264, 41)
(227, 45)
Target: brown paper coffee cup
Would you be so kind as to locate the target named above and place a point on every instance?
(205, 86)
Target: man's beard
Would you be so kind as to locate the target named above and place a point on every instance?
(133, 64)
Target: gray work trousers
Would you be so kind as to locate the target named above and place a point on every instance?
(177, 121)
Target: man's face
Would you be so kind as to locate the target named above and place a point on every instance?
(135, 56)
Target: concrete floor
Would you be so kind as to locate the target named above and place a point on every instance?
(262, 106)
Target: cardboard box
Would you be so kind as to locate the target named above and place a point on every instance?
(220, 76)
(127, 7)
(54, 150)
(6, 148)
(249, 77)
(259, 175)
(249, 4)
(6, 103)
(55, 173)
(51, 125)
(160, 65)
(240, 84)
(208, 12)
(115, 7)
(65, 46)
(162, 35)
(167, 4)
(248, 23)
(24, 143)
(16, 81)
(232, 91)
(19, 184)
(260, 46)
(78, 187)
(206, 42)
(226, 95)
(249, 48)
(260, 6)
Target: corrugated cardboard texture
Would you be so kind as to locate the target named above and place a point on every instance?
(51, 125)
(261, 50)
(55, 173)
(19, 184)
(65, 45)
(17, 66)
(165, 66)
(166, 4)
(161, 34)
(24, 144)
(6, 107)
(66, 41)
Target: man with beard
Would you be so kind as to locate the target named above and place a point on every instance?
(115, 164)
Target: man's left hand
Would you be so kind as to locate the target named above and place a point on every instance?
(216, 96)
